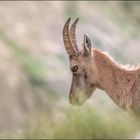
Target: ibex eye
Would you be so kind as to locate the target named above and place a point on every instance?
(74, 68)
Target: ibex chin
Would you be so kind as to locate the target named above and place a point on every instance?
(93, 69)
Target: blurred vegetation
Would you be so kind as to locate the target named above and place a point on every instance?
(33, 35)
(86, 123)
(32, 67)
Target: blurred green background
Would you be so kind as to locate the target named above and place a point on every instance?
(34, 68)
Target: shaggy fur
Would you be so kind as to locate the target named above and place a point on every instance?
(121, 84)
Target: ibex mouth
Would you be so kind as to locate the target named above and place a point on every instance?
(77, 101)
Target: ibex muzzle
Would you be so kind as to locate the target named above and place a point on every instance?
(81, 65)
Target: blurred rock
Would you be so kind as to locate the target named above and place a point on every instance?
(18, 102)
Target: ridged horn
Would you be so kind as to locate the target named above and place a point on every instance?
(73, 34)
(66, 38)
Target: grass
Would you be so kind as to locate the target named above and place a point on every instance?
(84, 123)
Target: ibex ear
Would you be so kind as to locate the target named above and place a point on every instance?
(87, 45)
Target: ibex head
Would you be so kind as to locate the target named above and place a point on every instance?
(81, 65)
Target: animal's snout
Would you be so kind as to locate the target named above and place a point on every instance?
(75, 101)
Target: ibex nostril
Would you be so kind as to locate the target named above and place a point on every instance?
(74, 68)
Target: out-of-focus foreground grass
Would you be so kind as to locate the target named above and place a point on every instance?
(85, 122)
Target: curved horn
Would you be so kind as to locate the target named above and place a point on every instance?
(67, 42)
(73, 35)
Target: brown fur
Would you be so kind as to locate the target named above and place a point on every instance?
(122, 85)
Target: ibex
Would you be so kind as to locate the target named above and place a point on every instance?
(93, 69)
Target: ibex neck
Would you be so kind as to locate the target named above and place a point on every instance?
(116, 81)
